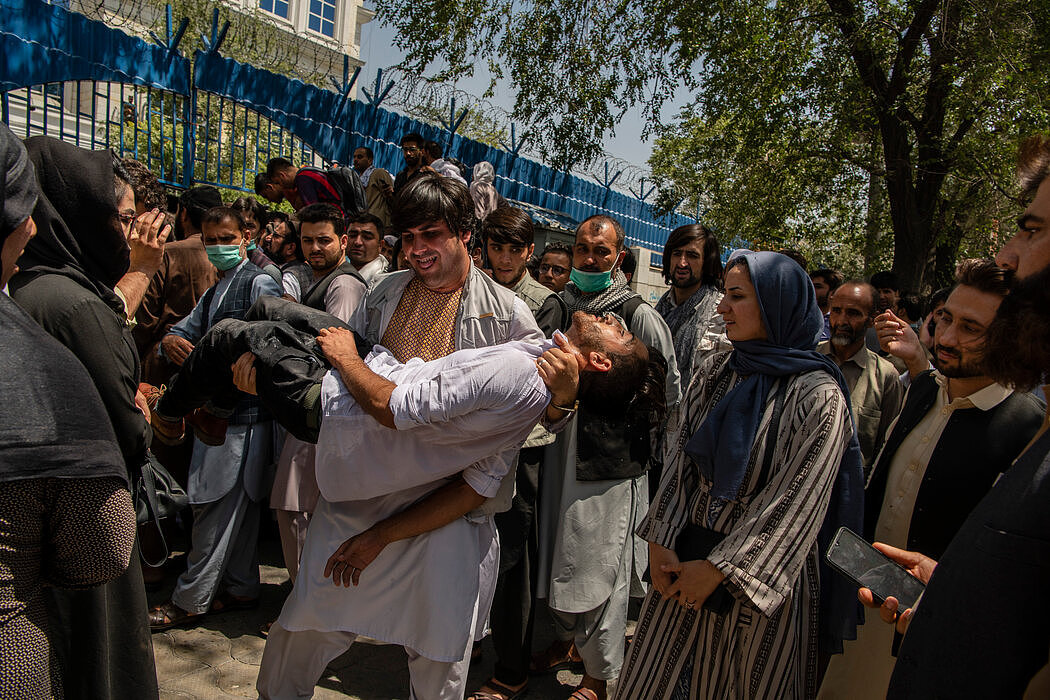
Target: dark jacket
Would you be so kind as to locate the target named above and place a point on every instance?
(314, 296)
(983, 627)
(975, 447)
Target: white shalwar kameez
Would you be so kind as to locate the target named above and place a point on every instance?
(428, 593)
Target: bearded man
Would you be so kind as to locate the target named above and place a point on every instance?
(958, 431)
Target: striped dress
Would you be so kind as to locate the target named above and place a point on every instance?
(766, 647)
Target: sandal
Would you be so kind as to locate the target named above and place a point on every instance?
(494, 690)
(227, 602)
(553, 659)
(582, 693)
(170, 615)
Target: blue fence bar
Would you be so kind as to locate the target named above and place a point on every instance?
(227, 119)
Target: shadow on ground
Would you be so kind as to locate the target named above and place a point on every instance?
(219, 657)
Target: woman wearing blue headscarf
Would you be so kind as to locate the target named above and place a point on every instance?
(761, 463)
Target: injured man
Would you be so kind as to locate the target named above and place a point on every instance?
(402, 546)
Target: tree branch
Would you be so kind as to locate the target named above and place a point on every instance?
(871, 73)
(902, 63)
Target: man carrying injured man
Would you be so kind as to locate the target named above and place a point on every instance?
(407, 455)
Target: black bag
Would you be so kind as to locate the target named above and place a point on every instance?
(347, 183)
(156, 495)
(694, 543)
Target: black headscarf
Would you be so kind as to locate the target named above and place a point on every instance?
(18, 189)
(42, 432)
(76, 234)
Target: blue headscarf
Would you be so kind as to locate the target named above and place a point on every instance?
(722, 445)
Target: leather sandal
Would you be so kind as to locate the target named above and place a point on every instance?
(494, 690)
(582, 693)
(227, 602)
(170, 615)
(552, 659)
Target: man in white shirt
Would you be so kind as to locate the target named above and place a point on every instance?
(415, 515)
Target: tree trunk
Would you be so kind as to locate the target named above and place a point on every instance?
(912, 234)
(873, 222)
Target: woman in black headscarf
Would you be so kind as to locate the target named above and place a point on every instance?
(66, 517)
(66, 284)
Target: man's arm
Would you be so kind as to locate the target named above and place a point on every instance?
(450, 502)
(371, 391)
(178, 343)
(898, 339)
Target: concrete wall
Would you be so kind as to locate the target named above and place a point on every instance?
(648, 280)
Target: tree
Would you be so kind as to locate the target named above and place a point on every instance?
(834, 121)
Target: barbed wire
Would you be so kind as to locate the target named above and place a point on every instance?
(419, 97)
(265, 41)
(256, 37)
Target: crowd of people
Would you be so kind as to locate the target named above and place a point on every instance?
(455, 433)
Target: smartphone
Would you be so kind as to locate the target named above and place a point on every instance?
(855, 558)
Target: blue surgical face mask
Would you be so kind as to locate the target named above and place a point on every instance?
(588, 282)
(224, 257)
(251, 247)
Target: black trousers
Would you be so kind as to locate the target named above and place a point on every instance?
(512, 614)
(289, 365)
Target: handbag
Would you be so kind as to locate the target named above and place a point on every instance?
(694, 543)
(156, 495)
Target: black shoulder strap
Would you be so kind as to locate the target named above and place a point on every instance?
(314, 297)
(206, 309)
(629, 307)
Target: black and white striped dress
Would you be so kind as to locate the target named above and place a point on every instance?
(766, 647)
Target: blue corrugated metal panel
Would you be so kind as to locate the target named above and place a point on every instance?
(43, 43)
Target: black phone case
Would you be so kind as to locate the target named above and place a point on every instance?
(849, 574)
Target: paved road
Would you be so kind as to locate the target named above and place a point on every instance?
(219, 658)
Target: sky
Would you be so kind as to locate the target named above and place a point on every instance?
(378, 51)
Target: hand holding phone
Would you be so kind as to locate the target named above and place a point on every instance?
(852, 556)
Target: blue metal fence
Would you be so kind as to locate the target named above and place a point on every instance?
(218, 121)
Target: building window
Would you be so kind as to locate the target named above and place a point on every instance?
(275, 7)
(322, 16)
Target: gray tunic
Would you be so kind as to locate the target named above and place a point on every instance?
(587, 542)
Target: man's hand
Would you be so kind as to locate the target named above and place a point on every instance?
(338, 345)
(347, 563)
(176, 348)
(147, 242)
(387, 190)
(561, 373)
(659, 557)
(918, 565)
(898, 339)
(244, 373)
